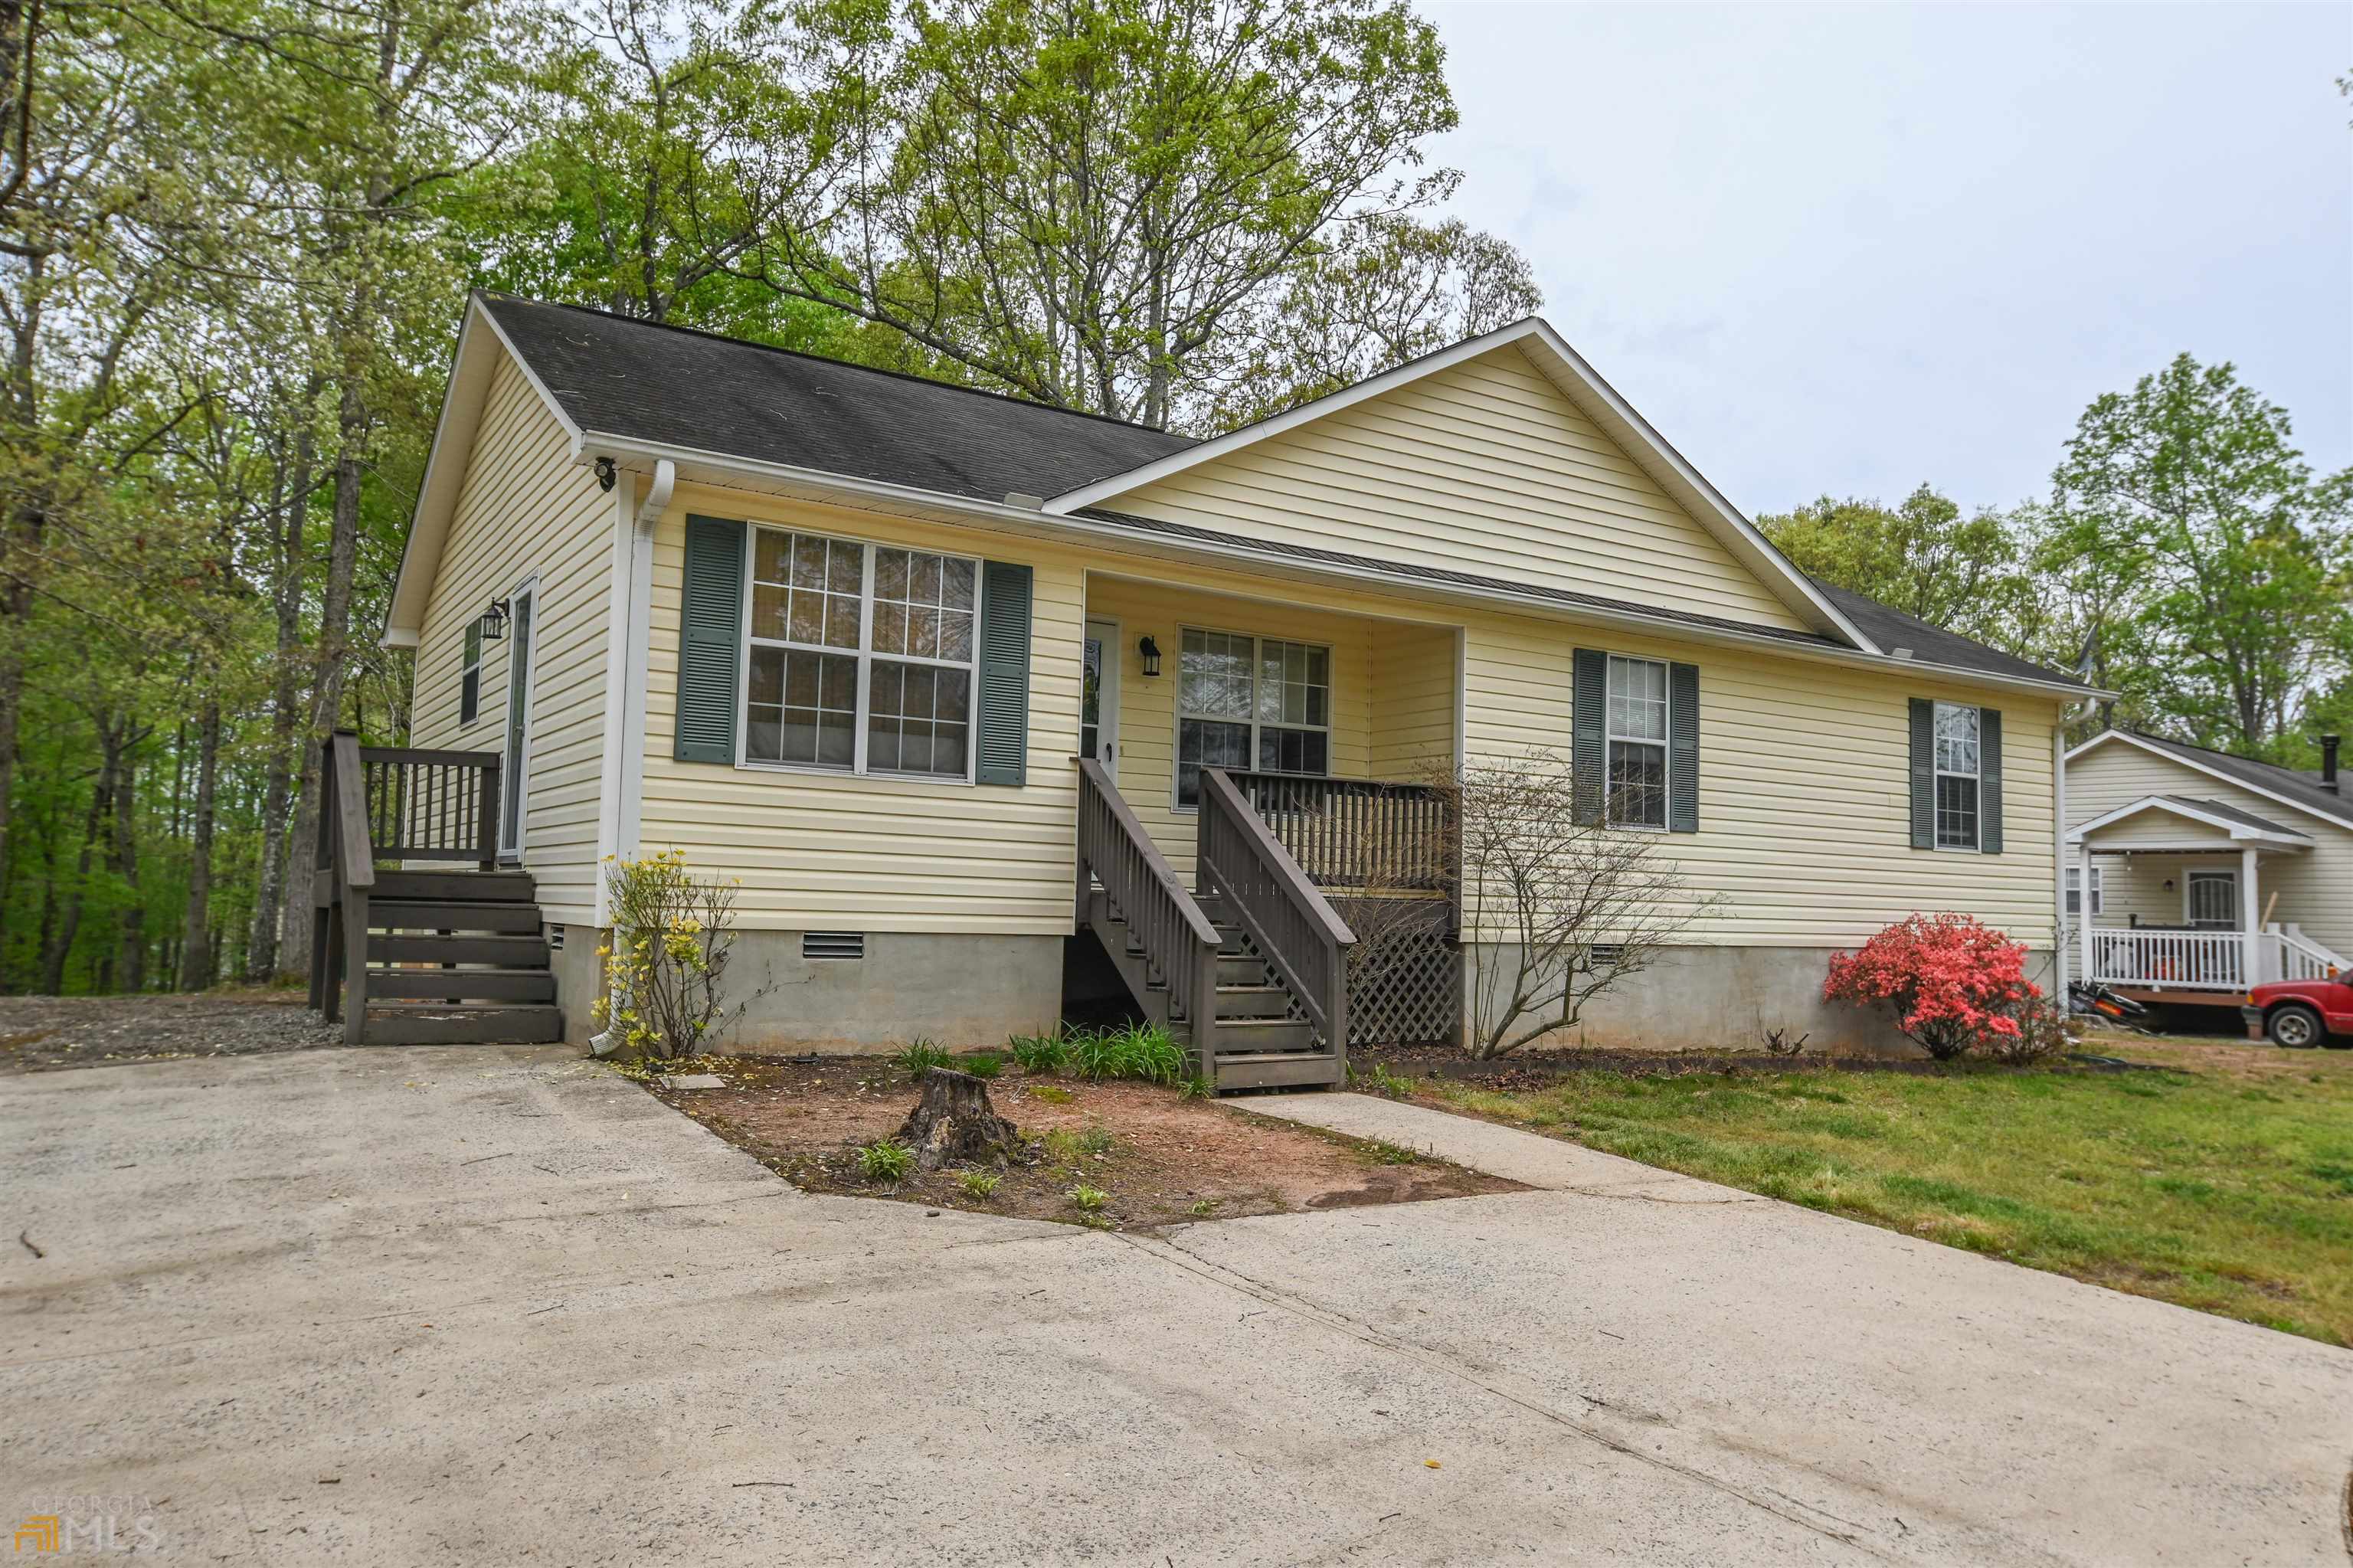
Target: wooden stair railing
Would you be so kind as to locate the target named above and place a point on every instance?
(1357, 833)
(1288, 919)
(1178, 941)
(387, 804)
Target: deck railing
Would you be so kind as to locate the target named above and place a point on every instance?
(1293, 926)
(1357, 833)
(2171, 960)
(2289, 955)
(382, 802)
(1178, 942)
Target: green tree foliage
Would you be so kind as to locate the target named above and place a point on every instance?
(1968, 573)
(2222, 566)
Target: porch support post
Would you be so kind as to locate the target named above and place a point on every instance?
(2249, 914)
(2084, 907)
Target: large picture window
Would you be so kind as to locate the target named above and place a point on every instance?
(1638, 742)
(1958, 783)
(861, 656)
(1245, 702)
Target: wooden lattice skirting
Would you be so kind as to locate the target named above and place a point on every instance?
(1406, 988)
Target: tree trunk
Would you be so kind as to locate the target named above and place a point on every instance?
(954, 1121)
(330, 667)
(131, 928)
(61, 938)
(279, 848)
(196, 945)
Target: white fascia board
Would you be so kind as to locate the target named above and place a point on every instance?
(481, 340)
(2238, 832)
(716, 468)
(1583, 386)
(2308, 808)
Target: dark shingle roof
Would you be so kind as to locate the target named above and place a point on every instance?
(637, 380)
(2228, 813)
(2297, 788)
(676, 386)
(1892, 629)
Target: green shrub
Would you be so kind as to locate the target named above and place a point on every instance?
(885, 1160)
(1037, 1052)
(1194, 1086)
(980, 1064)
(1136, 1051)
(980, 1184)
(921, 1057)
(1088, 1199)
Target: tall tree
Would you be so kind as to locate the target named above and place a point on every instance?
(1093, 202)
(2231, 562)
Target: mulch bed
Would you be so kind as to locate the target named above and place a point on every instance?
(1168, 1161)
(42, 1033)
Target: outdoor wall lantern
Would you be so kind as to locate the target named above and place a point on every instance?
(1151, 653)
(606, 474)
(493, 620)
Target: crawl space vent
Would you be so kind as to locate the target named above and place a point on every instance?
(833, 944)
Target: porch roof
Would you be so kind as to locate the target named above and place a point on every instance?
(2199, 827)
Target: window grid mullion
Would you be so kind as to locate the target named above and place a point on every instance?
(865, 658)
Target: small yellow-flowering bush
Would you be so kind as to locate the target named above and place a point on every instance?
(666, 960)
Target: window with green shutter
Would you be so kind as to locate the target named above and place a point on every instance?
(1956, 777)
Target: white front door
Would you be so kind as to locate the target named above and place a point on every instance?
(2213, 900)
(1099, 697)
(518, 746)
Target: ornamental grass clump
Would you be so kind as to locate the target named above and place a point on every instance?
(1954, 986)
(666, 959)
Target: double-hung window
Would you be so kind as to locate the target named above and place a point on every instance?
(469, 675)
(1246, 701)
(2075, 891)
(1638, 742)
(1958, 781)
(861, 656)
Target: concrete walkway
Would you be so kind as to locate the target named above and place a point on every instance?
(494, 1306)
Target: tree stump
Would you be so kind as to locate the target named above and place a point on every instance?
(953, 1121)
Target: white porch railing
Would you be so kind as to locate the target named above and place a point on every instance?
(2171, 960)
(2289, 955)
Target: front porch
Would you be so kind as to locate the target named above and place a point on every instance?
(1254, 783)
(2174, 901)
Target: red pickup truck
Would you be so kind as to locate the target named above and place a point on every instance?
(2300, 1014)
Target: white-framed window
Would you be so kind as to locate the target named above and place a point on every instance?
(1637, 733)
(1246, 701)
(2075, 890)
(860, 657)
(469, 676)
(1959, 786)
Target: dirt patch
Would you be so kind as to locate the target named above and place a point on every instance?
(1157, 1159)
(42, 1033)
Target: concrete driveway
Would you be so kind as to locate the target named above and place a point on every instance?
(493, 1305)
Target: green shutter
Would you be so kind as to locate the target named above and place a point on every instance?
(710, 642)
(1683, 748)
(1990, 780)
(1003, 729)
(1924, 774)
(1588, 756)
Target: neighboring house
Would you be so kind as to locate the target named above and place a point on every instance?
(2207, 872)
(846, 636)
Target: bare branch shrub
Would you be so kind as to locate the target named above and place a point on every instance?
(1557, 911)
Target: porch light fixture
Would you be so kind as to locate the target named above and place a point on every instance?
(1151, 654)
(493, 620)
(606, 474)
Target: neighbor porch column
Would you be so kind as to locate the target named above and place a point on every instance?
(2248, 914)
(2082, 907)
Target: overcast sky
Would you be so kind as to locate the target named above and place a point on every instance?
(1847, 249)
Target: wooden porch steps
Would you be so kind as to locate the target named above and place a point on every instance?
(1261, 1041)
(457, 958)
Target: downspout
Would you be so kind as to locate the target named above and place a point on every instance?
(641, 647)
(2059, 865)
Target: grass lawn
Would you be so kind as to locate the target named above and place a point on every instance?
(2223, 1182)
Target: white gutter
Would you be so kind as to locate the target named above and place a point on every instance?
(716, 467)
(2059, 860)
(621, 787)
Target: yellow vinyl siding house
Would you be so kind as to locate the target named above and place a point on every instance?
(2209, 873)
(846, 637)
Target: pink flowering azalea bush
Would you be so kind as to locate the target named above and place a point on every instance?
(1955, 986)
